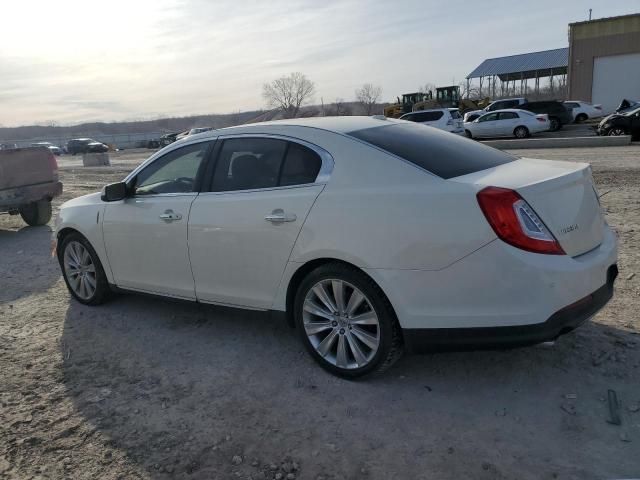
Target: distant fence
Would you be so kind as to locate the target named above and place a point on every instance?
(120, 141)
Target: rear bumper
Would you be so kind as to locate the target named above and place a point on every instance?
(13, 198)
(563, 321)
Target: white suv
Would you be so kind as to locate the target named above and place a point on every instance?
(448, 119)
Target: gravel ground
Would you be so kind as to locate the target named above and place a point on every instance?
(149, 388)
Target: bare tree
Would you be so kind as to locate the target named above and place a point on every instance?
(368, 95)
(289, 93)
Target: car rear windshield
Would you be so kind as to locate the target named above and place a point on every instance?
(441, 153)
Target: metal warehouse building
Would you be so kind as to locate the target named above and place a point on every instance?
(604, 60)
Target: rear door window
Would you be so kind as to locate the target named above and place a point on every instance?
(301, 165)
(434, 150)
(507, 115)
(455, 114)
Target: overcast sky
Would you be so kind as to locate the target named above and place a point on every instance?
(71, 61)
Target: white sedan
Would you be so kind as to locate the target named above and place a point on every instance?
(583, 110)
(507, 123)
(372, 235)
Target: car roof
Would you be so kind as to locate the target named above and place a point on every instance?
(516, 110)
(429, 110)
(332, 124)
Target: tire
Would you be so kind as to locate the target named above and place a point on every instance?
(69, 250)
(581, 117)
(374, 356)
(616, 132)
(36, 213)
(555, 124)
(468, 134)
(521, 132)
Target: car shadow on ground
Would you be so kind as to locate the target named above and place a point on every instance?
(181, 388)
(25, 259)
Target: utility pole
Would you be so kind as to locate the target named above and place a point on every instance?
(589, 14)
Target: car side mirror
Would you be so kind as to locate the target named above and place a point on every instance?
(114, 192)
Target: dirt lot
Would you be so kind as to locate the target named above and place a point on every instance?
(148, 388)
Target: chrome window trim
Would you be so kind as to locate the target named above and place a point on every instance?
(326, 166)
(255, 190)
(172, 194)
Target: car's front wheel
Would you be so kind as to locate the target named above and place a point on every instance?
(467, 133)
(581, 117)
(616, 132)
(82, 270)
(346, 322)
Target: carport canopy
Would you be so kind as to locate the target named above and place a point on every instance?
(527, 65)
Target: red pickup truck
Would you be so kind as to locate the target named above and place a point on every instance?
(28, 183)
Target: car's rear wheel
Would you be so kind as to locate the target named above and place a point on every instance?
(346, 322)
(554, 124)
(616, 132)
(521, 132)
(82, 271)
(36, 213)
(581, 117)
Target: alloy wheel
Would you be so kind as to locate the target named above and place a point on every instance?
(341, 324)
(616, 132)
(521, 132)
(80, 270)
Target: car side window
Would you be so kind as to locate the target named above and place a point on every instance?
(174, 172)
(301, 165)
(507, 115)
(488, 118)
(248, 163)
(410, 117)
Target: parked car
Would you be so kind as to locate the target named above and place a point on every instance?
(85, 145)
(558, 113)
(583, 110)
(195, 131)
(54, 148)
(371, 235)
(625, 123)
(448, 119)
(501, 104)
(8, 146)
(168, 139)
(28, 183)
(507, 123)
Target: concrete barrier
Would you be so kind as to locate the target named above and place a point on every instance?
(562, 142)
(96, 160)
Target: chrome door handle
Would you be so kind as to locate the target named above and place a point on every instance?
(170, 216)
(278, 216)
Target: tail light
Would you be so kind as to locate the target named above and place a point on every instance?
(53, 163)
(541, 119)
(597, 107)
(450, 122)
(515, 222)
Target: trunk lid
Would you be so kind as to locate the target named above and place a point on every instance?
(561, 193)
